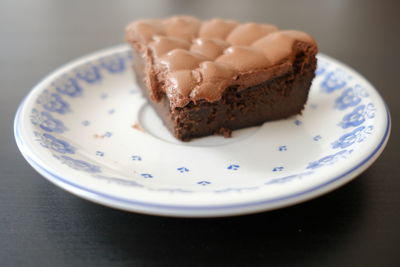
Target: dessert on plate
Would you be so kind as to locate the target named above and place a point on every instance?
(215, 76)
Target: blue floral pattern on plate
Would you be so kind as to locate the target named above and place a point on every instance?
(333, 80)
(350, 97)
(57, 145)
(136, 158)
(68, 86)
(53, 102)
(89, 73)
(77, 164)
(233, 167)
(289, 178)
(357, 135)
(113, 64)
(47, 122)
(78, 136)
(282, 148)
(329, 160)
(358, 116)
(183, 169)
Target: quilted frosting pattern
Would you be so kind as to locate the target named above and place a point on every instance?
(199, 59)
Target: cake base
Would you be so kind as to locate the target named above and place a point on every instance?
(273, 99)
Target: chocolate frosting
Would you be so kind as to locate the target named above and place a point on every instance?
(194, 60)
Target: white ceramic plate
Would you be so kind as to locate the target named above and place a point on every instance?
(87, 129)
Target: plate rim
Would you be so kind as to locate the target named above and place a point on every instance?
(194, 210)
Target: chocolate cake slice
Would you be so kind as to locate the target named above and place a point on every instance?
(215, 76)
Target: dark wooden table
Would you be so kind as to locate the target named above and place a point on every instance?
(42, 225)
